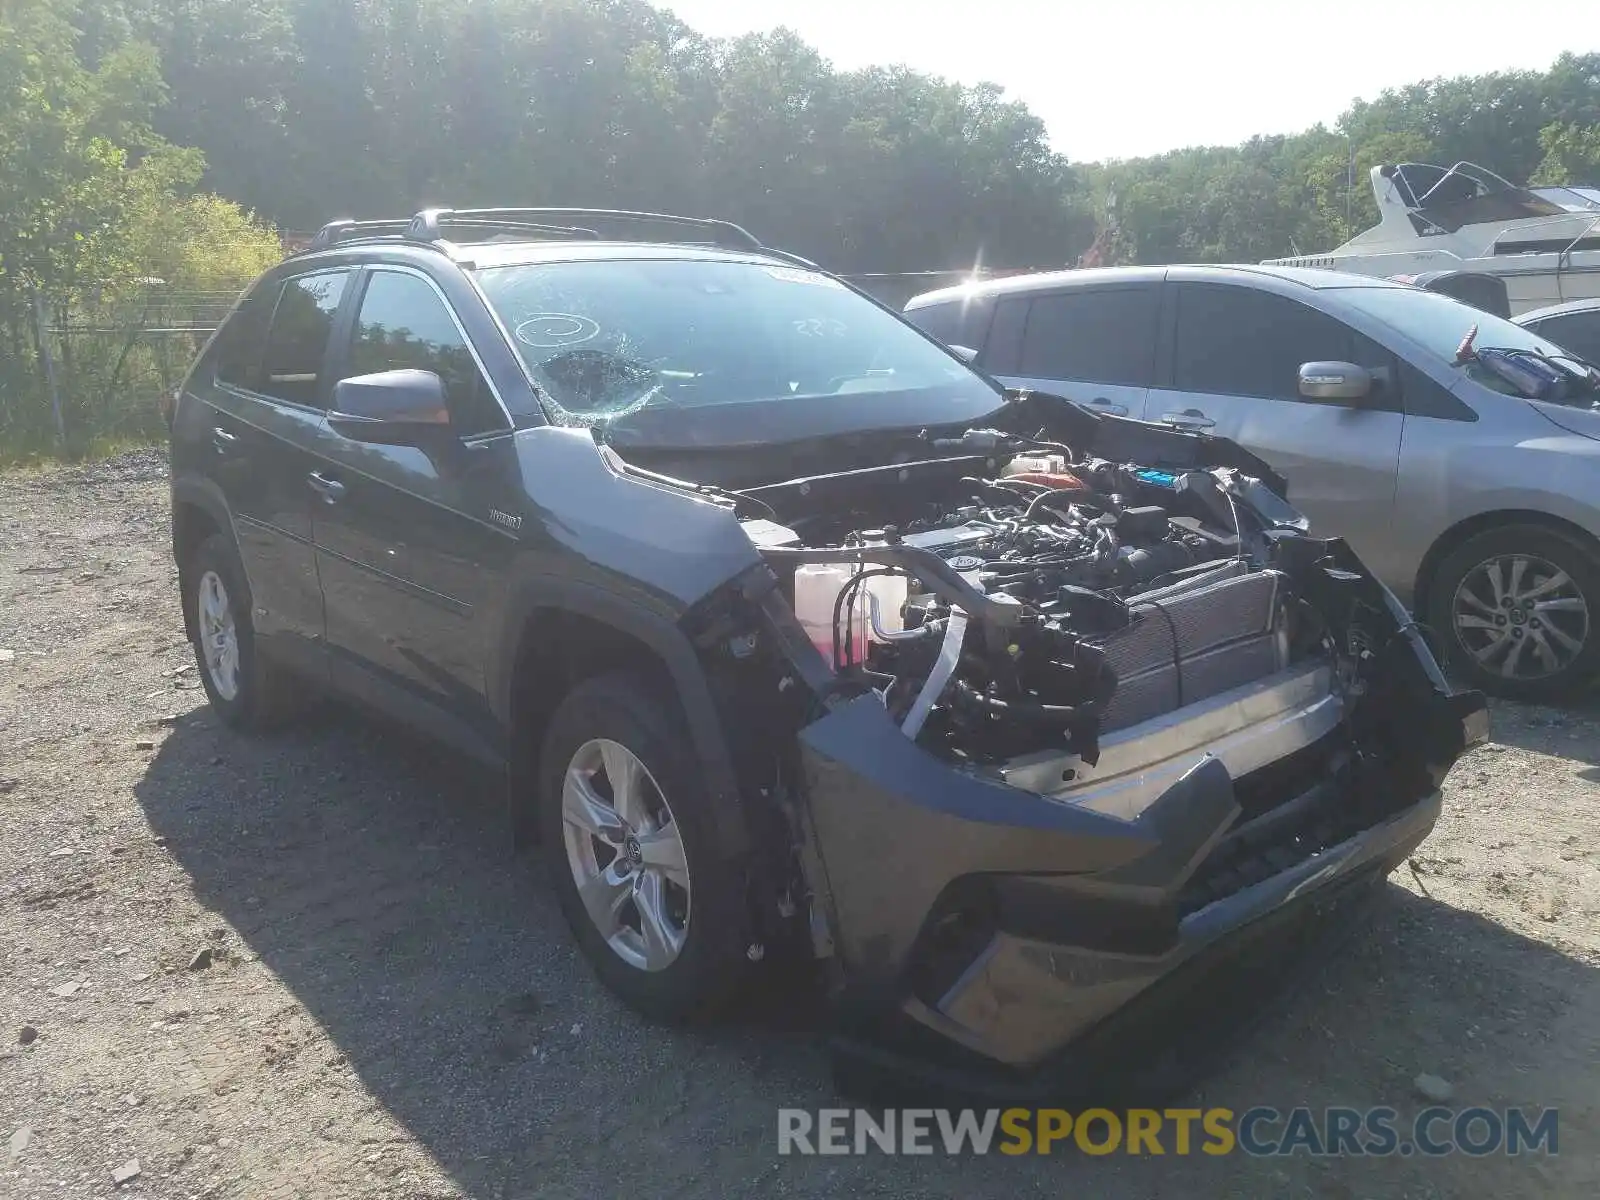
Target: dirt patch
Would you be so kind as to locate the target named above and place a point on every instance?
(309, 966)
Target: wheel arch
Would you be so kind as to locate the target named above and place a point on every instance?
(559, 632)
(1470, 527)
(198, 512)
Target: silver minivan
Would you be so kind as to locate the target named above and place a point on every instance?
(1403, 420)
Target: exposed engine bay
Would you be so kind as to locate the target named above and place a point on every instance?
(1035, 728)
(1034, 599)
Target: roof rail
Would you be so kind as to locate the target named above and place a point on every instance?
(335, 232)
(342, 230)
(430, 225)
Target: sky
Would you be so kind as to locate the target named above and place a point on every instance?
(1124, 78)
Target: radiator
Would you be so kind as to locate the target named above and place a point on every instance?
(1192, 640)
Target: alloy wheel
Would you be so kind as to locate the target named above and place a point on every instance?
(626, 855)
(1520, 616)
(219, 636)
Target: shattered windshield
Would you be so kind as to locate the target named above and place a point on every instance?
(605, 339)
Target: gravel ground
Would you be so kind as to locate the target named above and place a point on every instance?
(308, 966)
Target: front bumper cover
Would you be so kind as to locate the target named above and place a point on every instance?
(1138, 1029)
(1001, 939)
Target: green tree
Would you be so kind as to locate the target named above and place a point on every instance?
(310, 109)
(90, 203)
(1571, 154)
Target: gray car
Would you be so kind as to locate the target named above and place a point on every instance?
(737, 584)
(1574, 326)
(1397, 427)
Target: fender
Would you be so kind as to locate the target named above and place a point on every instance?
(668, 642)
(203, 494)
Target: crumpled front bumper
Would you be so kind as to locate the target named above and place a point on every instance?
(995, 936)
(1026, 996)
(1182, 1016)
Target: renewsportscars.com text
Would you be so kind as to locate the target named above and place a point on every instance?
(1258, 1132)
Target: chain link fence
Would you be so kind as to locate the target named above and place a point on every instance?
(94, 375)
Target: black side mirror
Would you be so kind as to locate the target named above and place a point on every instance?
(1335, 381)
(394, 408)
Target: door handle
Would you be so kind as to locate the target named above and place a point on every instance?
(1189, 418)
(222, 441)
(331, 490)
(1101, 404)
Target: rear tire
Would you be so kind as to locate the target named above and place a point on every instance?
(657, 912)
(1515, 611)
(246, 689)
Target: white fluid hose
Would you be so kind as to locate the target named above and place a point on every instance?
(933, 687)
(939, 678)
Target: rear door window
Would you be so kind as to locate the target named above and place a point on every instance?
(1235, 341)
(1100, 335)
(404, 324)
(298, 344)
(243, 338)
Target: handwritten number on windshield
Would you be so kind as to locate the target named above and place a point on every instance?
(820, 327)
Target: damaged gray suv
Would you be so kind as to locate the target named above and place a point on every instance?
(1040, 733)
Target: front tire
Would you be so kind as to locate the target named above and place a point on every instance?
(1515, 609)
(628, 841)
(248, 691)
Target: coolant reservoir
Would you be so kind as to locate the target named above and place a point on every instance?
(816, 591)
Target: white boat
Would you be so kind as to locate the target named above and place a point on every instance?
(1542, 242)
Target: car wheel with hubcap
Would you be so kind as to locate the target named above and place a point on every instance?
(246, 690)
(625, 854)
(1513, 608)
(218, 636)
(629, 847)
